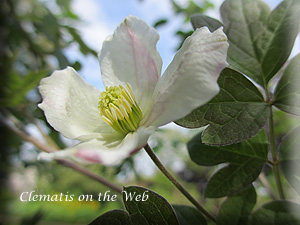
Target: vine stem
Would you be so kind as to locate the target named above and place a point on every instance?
(66, 163)
(90, 174)
(262, 178)
(275, 156)
(48, 139)
(176, 183)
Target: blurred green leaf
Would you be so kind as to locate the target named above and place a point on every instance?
(287, 93)
(192, 7)
(66, 7)
(77, 38)
(49, 26)
(18, 87)
(246, 160)
(237, 113)
(188, 215)
(199, 20)
(235, 210)
(290, 158)
(160, 23)
(113, 217)
(147, 207)
(76, 65)
(276, 213)
(62, 59)
(260, 41)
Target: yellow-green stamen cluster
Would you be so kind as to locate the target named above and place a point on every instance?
(118, 107)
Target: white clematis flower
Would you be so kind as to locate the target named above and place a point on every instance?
(117, 122)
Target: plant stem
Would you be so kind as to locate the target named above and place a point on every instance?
(49, 140)
(274, 156)
(10, 125)
(262, 178)
(66, 163)
(176, 183)
(89, 174)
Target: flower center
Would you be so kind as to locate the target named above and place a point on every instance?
(118, 107)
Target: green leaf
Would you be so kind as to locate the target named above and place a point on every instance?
(246, 160)
(76, 65)
(287, 93)
(235, 210)
(260, 41)
(199, 20)
(237, 113)
(160, 22)
(290, 158)
(147, 207)
(62, 59)
(19, 86)
(65, 5)
(277, 213)
(113, 217)
(188, 215)
(76, 37)
(49, 26)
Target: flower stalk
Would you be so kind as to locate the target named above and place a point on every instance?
(176, 183)
(275, 156)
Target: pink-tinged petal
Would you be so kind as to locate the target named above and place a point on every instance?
(71, 105)
(130, 55)
(191, 79)
(100, 151)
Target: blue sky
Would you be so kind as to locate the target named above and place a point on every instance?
(101, 17)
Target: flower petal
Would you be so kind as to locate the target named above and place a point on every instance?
(130, 55)
(97, 151)
(71, 105)
(191, 79)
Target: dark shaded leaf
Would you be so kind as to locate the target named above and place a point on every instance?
(235, 210)
(287, 93)
(188, 215)
(147, 207)
(35, 219)
(200, 20)
(277, 213)
(245, 160)
(237, 113)
(113, 217)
